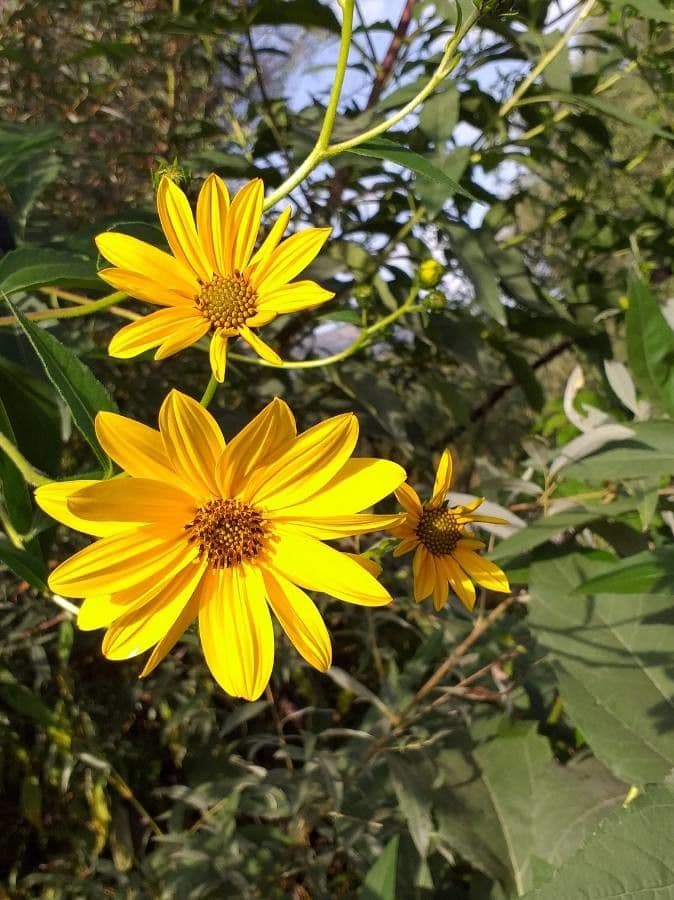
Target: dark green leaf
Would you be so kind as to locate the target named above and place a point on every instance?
(14, 490)
(29, 268)
(651, 572)
(380, 881)
(307, 13)
(439, 115)
(465, 245)
(650, 346)
(24, 564)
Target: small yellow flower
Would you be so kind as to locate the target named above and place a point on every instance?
(221, 532)
(430, 273)
(445, 550)
(214, 283)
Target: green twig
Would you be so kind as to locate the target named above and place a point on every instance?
(29, 472)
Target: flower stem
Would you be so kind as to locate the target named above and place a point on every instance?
(70, 312)
(28, 471)
(211, 388)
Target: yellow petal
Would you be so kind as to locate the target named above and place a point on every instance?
(150, 331)
(137, 500)
(370, 565)
(242, 226)
(137, 448)
(469, 543)
(408, 498)
(129, 253)
(192, 440)
(236, 632)
(139, 629)
(212, 208)
(443, 479)
(288, 260)
(487, 520)
(98, 612)
(481, 570)
(310, 461)
(327, 527)
(144, 288)
(271, 242)
(300, 620)
(359, 484)
(315, 566)
(175, 632)
(217, 352)
(53, 499)
(406, 545)
(262, 440)
(118, 562)
(185, 335)
(423, 569)
(260, 347)
(440, 592)
(178, 224)
(459, 582)
(293, 297)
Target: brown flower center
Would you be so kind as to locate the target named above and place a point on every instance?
(227, 301)
(228, 532)
(439, 530)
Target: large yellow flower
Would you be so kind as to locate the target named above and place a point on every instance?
(221, 532)
(444, 548)
(214, 282)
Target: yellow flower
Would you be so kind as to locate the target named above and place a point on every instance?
(221, 532)
(214, 283)
(445, 550)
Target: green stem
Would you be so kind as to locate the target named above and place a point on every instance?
(70, 312)
(31, 474)
(211, 388)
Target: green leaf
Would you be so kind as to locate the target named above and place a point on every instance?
(82, 393)
(24, 564)
(650, 9)
(307, 13)
(613, 656)
(631, 854)
(440, 114)
(650, 346)
(465, 245)
(23, 701)
(380, 881)
(383, 148)
(410, 783)
(14, 489)
(526, 379)
(651, 451)
(651, 572)
(35, 267)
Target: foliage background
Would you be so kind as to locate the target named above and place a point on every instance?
(544, 358)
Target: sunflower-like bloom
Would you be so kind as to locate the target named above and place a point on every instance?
(214, 283)
(223, 533)
(444, 548)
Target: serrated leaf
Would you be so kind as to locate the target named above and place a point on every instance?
(82, 393)
(383, 148)
(380, 881)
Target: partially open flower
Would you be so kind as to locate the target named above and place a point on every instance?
(444, 547)
(215, 283)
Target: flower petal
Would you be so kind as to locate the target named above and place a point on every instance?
(192, 440)
(359, 484)
(459, 582)
(408, 498)
(143, 288)
(271, 242)
(327, 527)
(288, 260)
(256, 445)
(118, 562)
(406, 545)
(184, 337)
(178, 224)
(217, 352)
(440, 592)
(172, 636)
(150, 331)
(53, 499)
(137, 448)
(293, 297)
(262, 349)
(139, 629)
(423, 569)
(310, 461)
(370, 565)
(300, 619)
(212, 209)
(242, 226)
(236, 631)
(315, 566)
(139, 500)
(126, 252)
(443, 479)
(481, 570)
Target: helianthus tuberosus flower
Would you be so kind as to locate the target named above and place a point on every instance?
(445, 550)
(222, 532)
(215, 282)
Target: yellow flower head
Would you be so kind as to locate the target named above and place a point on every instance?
(214, 283)
(221, 532)
(444, 549)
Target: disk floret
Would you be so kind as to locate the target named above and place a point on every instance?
(228, 532)
(227, 301)
(439, 529)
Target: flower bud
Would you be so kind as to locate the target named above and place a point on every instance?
(430, 273)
